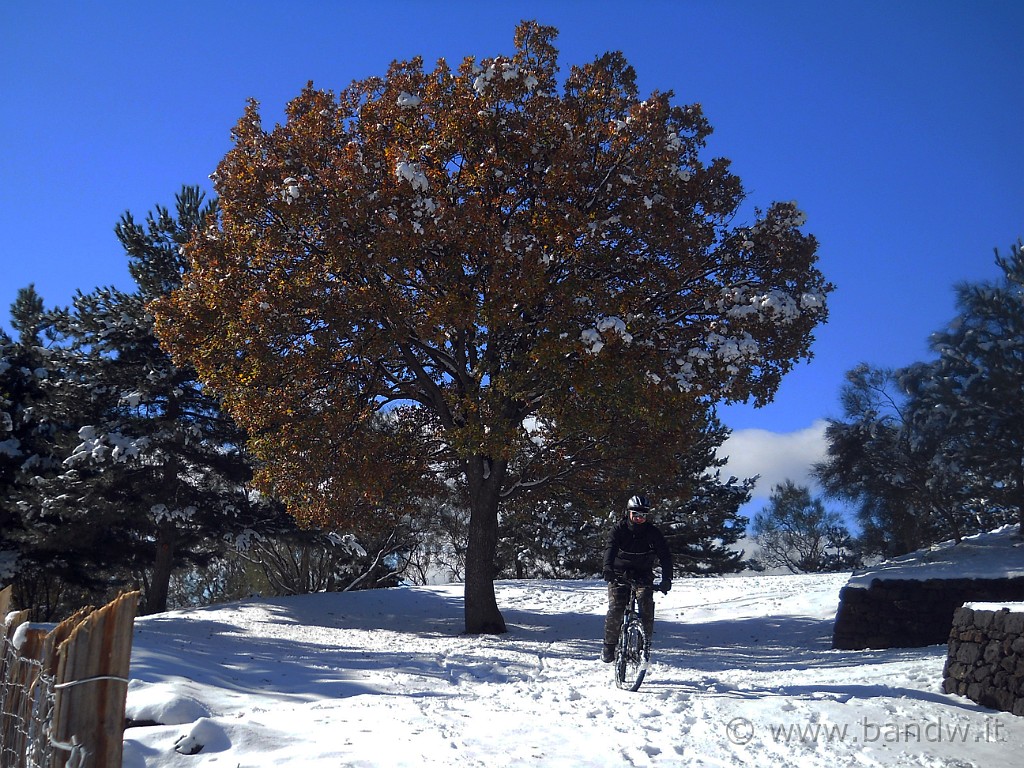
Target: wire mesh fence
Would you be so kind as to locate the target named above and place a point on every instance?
(26, 708)
(62, 688)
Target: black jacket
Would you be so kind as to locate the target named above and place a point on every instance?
(636, 548)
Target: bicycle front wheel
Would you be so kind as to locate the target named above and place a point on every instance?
(631, 656)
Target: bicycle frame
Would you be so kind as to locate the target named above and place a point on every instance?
(632, 652)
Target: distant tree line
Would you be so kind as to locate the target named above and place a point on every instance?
(930, 452)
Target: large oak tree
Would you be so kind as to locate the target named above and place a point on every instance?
(489, 274)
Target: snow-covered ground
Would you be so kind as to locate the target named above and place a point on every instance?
(742, 674)
(997, 554)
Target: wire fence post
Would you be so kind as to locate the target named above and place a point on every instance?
(10, 693)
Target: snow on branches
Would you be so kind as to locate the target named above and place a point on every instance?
(476, 247)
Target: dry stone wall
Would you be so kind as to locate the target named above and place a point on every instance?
(907, 613)
(985, 662)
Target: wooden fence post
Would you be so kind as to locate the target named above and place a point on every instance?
(91, 684)
(12, 694)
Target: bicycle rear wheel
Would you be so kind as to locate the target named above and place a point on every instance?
(631, 656)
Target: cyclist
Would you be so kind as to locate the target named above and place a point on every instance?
(634, 545)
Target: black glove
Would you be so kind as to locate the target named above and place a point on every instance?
(665, 586)
(608, 575)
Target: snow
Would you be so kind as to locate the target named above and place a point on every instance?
(166, 702)
(406, 99)
(614, 325)
(292, 191)
(993, 555)
(1012, 607)
(742, 673)
(592, 340)
(413, 173)
(161, 513)
(508, 70)
(96, 446)
(20, 635)
(592, 337)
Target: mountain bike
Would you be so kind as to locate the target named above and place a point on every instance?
(634, 647)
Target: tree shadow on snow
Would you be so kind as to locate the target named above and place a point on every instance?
(352, 644)
(411, 634)
(317, 663)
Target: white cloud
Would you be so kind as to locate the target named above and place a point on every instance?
(775, 456)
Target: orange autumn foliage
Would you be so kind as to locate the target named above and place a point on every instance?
(485, 271)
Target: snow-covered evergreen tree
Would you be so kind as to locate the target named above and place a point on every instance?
(878, 461)
(24, 431)
(158, 474)
(701, 518)
(30, 432)
(971, 395)
(703, 530)
(936, 450)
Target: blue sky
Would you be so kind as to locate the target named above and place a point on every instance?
(896, 126)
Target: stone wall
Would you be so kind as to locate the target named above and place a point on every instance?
(905, 613)
(986, 658)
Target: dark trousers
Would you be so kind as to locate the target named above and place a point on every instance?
(618, 597)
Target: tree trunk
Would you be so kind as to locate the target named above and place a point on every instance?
(160, 583)
(481, 605)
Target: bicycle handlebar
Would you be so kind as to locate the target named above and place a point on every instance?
(626, 581)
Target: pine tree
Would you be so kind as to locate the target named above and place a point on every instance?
(971, 396)
(935, 450)
(19, 391)
(158, 475)
(701, 518)
(879, 461)
(563, 534)
(554, 537)
(28, 317)
(798, 532)
(537, 278)
(703, 530)
(30, 433)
